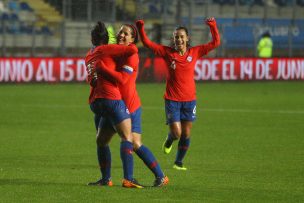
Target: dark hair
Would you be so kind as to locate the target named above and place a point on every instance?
(180, 28)
(134, 32)
(266, 34)
(99, 34)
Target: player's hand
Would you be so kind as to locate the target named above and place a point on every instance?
(210, 21)
(90, 68)
(140, 24)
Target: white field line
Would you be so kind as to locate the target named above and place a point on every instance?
(239, 110)
(59, 106)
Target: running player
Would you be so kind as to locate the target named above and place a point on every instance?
(109, 109)
(180, 97)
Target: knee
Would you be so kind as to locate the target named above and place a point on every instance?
(136, 145)
(136, 140)
(101, 141)
(127, 138)
(175, 134)
(186, 132)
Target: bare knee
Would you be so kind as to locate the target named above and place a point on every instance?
(175, 130)
(104, 137)
(136, 141)
(186, 128)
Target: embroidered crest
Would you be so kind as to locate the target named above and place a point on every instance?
(189, 58)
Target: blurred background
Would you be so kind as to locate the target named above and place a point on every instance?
(50, 28)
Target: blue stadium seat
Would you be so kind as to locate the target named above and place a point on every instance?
(231, 2)
(13, 6)
(26, 29)
(247, 2)
(283, 2)
(13, 17)
(5, 16)
(25, 7)
(45, 30)
(300, 2)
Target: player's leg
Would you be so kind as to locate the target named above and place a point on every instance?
(188, 112)
(183, 145)
(103, 139)
(173, 120)
(104, 134)
(126, 151)
(122, 122)
(144, 153)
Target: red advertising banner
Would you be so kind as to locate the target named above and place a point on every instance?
(73, 69)
(42, 70)
(250, 69)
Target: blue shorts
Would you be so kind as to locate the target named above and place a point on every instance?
(108, 111)
(136, 121)
(180, 111)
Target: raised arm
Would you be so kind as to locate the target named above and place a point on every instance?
(114, 50)
(214, 32)
(158, 49)
(205, 48)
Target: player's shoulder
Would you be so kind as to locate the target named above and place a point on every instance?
(89, 57)
(196, 49)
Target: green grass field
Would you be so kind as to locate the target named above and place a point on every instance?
(247, 145)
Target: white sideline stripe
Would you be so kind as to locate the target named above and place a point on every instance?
(162, 108)
(241, 110)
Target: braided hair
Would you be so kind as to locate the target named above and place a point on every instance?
(99, 34)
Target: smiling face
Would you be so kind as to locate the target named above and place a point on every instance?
(181, 40)
(124, 36)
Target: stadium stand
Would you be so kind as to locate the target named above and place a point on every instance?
(240, 21)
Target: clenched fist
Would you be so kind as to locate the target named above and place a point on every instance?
(210, 21)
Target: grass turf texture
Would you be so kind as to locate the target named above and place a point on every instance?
(247, 145)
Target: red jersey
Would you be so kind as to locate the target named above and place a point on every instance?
(180, 84)
(106, 88)
(125, 74)
(128, 89)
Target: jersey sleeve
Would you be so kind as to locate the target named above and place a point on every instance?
(114, 50)
(156, 48)
(206, 48)
(123, 75)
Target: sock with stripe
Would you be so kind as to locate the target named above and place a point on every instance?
(126, 150)
(183, 146)
(104, 160)
(147, 157)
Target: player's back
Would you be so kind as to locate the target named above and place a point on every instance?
(104, 88)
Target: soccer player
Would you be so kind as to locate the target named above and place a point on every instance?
(109, 109)
(126, 74)
(180, 97)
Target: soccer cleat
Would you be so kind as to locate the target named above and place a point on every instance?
(159, 182)
(166, 149)
(101, 183)
(179, 167)
(131, 184)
